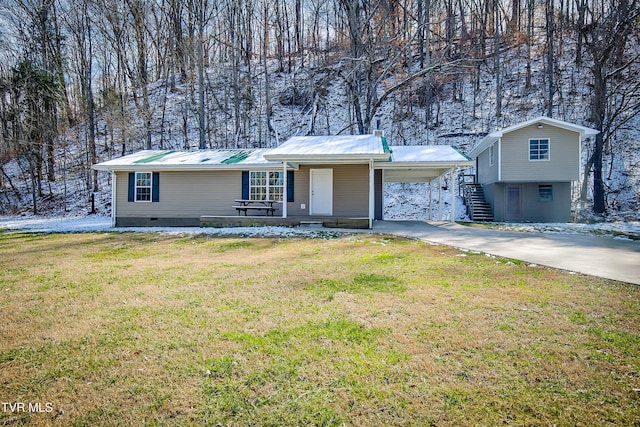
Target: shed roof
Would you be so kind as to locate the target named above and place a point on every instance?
(583, 131)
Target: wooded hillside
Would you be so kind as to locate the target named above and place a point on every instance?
(86, 80)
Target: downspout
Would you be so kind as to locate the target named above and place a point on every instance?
(285, 191)
(114, 202)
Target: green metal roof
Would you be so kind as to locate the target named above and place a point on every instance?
(236, 158)
(154, 157)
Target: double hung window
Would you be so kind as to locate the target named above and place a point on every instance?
(492, 154)
(143, 187)
(144, 182)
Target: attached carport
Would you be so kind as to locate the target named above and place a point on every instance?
(424, 163)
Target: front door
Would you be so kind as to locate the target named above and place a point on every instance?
(514, 201)
(321, 200)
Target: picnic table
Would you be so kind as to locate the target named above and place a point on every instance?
(245, 205)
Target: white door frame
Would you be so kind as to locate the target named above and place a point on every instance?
(324, 177)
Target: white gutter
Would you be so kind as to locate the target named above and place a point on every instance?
(328, 158)
(155, 167)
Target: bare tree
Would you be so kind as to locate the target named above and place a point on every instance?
(616, 90)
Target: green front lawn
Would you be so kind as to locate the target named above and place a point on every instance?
(152, 329)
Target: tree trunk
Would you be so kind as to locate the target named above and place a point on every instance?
(497, 66)
(598, 184)
(550, 12)
(200, 54)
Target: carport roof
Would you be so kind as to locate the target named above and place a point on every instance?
(427, 153)
(421, 163)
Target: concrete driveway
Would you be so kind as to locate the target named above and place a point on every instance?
(597, 256)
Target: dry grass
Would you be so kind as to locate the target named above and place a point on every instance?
(145, 329)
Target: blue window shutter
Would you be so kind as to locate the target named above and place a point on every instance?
(289, 186)
(132, 187)
(245, 185)
(155, 187)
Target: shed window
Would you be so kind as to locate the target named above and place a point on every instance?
(538, 149)
(143, 186)
(545, 192)
(266, 185)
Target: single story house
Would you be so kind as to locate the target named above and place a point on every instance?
(335, 180)
(526, 170)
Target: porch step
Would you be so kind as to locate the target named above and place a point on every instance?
(311, 224)
(477, 206)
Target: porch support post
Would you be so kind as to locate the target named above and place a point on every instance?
(440, 197)
(372, 194)
(284, 191)
(430, 198)
(453, 198)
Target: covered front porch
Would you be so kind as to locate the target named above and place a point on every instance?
(289, 221)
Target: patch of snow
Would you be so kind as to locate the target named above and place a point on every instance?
(95, 223)
(616, 230)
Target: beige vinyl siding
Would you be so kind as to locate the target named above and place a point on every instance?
(350, 190)
(300, 193)
(486, 173)
(185, 195)
(563, 163)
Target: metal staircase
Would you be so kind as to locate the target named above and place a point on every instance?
(477, 206)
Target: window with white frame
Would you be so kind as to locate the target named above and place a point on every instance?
(266, 185)
(144, 182)
(539, 149)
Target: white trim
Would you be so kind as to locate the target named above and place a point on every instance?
(372, 194)
(268, 187)
(135, 187)
(440, 197)
(579, 163)
(453, 198)
(430, 199)
(114, 188)
(548, 149)
(499, 159)
(285, 190)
